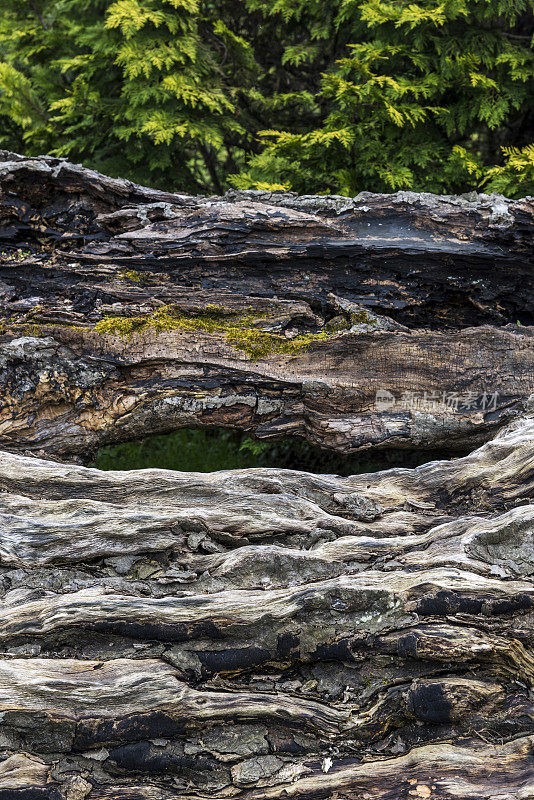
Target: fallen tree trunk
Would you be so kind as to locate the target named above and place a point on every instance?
(269, 633)
(264, 634)
(384, 321)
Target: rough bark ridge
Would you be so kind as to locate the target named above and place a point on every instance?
(264, 634)
(267, 633)
(127, 311)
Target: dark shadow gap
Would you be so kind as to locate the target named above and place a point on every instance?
(212, 449)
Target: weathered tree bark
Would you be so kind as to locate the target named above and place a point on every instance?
(267, 633)
(264, 634)
(127, 311)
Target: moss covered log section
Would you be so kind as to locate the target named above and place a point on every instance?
(240, 330)
(384, 321)
(264, 634)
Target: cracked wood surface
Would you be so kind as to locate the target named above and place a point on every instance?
(126, 311)
(262, 633)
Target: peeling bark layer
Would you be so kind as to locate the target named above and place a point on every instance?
(269, 633)
(127, 311)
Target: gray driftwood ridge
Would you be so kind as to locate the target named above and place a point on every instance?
(264, 634)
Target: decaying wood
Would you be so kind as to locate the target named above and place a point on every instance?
(269, 633)
(264, 634)
(315, 304)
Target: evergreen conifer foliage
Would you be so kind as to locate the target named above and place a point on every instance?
(132, 87)
(197, 95)
(425, 101)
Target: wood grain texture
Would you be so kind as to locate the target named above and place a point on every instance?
(269, 633)
(432, 771)
(264, 634)
(283, 315)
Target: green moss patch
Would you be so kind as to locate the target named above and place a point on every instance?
(237, 328)
(360, 316)
(139, 278)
